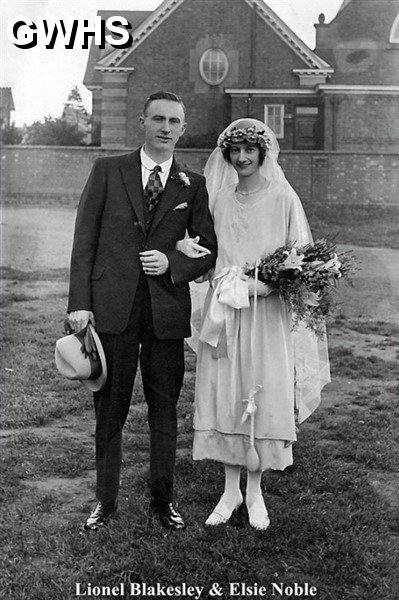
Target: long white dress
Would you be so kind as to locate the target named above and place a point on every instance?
(248, 227)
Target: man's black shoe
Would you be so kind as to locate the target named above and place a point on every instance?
(100, 516)
(168, 515)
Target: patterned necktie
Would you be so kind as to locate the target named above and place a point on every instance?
(153, 189)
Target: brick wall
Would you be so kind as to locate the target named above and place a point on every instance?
(58, 174)
(368, 121)
(362, 121)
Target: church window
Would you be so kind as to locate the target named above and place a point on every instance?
(214, 66)
(394, 35)
(274, 118)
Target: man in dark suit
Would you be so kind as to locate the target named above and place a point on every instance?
(130, 281)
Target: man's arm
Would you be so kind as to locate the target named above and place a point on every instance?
(184, 268)
(87, 228)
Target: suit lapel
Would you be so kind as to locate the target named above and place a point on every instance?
(169, 196)
(131, 175)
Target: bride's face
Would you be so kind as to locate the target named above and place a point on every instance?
(244, 158)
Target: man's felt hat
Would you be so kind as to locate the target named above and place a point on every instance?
(80, 357)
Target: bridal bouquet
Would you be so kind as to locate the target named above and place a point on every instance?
(305, 278)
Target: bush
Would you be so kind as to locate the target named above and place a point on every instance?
(54, 132)
(11, 135)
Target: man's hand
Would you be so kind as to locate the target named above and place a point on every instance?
(79, 319)
(191, 248)
(154, 262)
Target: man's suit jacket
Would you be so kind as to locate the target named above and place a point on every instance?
(111, 230)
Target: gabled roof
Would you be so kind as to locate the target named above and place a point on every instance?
(6, 99)
(145, 28)
(150, 24)
(93, 78)
(288, 36)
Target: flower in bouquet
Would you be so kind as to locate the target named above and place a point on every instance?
(305, 278)
(333, 265)
(294, 260)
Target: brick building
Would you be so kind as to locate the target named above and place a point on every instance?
(361, 101)
(231, 58)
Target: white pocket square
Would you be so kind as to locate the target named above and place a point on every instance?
(181, 206)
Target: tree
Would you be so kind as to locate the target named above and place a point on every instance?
(75, 97)
(75, 113)
(72, 129)
(54, 132)
(11, 135)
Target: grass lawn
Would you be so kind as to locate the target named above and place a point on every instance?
(333, 514)
(356, 225)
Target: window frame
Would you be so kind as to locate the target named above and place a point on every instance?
(280, 135)
(202, 61)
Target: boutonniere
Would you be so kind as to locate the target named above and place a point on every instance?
(183, 177)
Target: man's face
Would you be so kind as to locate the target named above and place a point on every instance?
(163, 125)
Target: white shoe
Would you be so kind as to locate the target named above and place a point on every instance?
(257, 513)
(222, 513)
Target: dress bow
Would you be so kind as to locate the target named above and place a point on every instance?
(230, 293)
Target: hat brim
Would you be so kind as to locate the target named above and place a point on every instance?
(95, 385)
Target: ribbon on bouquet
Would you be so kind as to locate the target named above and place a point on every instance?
(230, 293)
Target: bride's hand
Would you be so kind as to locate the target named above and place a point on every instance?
(191, 248)
(262, 289)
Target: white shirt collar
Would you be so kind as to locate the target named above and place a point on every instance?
(149, 164)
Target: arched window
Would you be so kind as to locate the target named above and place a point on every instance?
(214, 66)
(394, 35)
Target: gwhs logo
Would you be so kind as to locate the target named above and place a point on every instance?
(71, 32)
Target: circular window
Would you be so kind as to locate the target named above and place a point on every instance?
(214, 66)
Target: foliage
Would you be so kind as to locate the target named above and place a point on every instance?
(11, 135)
(72, 129)
(74, 96)
(54, 132)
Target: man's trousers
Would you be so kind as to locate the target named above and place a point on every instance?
(162, 370)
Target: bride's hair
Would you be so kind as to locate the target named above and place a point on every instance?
(262, 152)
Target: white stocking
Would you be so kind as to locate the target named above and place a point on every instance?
(258, 517)
(231, 498)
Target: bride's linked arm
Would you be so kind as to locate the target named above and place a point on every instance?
(191, 248)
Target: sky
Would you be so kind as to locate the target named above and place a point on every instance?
(41, 79)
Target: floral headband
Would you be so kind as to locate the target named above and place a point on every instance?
(247, 134)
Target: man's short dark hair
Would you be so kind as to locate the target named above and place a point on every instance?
(262, 154)
(163, 96)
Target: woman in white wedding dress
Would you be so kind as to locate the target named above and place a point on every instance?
(246, 360)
